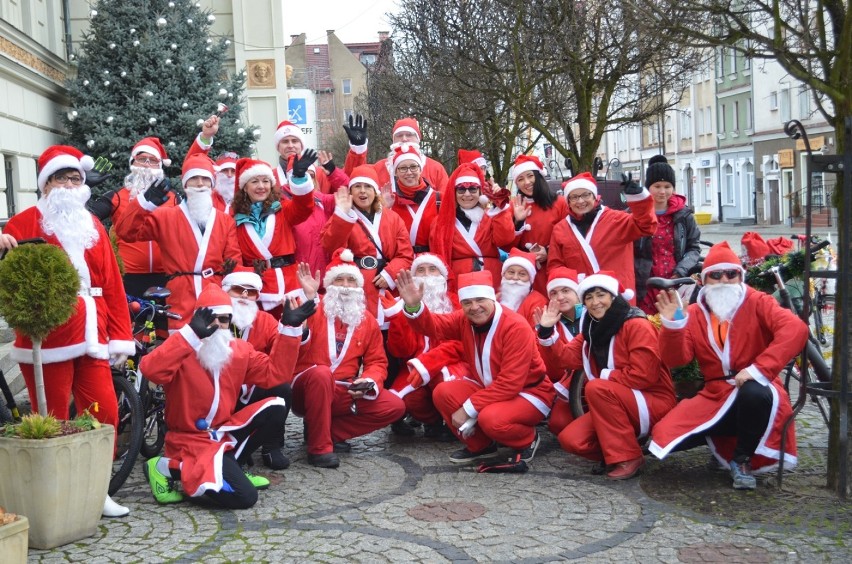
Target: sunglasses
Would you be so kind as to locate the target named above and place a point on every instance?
(243, 291)
(469, 189)
(226, 319)
(729, 274)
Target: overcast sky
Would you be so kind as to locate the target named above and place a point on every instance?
(352, 20)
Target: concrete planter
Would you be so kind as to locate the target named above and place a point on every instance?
(59, 484)
(13, 541)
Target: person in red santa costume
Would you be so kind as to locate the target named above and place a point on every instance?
(265, 229)
(426, 362)
(202, 368)
(536, 209)
(466, 234)
(376, 235)
(78, 353)
(508, 393)
(742, 340)
(405, 130)
(290, 145)
(197, 241)
(594, 237)
(224, 184)
(628, 388)
(141, 259)
(340, 374)
(516, 285)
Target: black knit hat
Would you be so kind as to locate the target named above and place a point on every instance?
(659, 170)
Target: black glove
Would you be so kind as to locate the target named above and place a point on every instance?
(300, 166)
(202, 322)
(295, 317)
(228, 266)
(629, 186)
(356, 130)
(101, 206)
(158, 192)
(329, 166)
(260, 266)
(95, 178)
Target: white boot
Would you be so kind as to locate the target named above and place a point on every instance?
(112, 509)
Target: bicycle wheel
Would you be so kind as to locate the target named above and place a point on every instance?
(129, 432)
(154, 429)
(577, 394)
(792, 383)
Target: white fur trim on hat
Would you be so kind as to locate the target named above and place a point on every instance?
(151, 150)
(244, 279)
(429, 259)
(519, 261)
(193, 172)
(289, 131)
(608, 283)
(365, 180)
(524, 167)
(225, 166)
(581, 184)
(477, 291)
(560, 283)
(468, 180)
(254, 171)
(480, 161)
(722, 266)
(407, 129)
(64, 161)
(332, 273)
(222, 310)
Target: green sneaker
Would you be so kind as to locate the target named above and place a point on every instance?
(259, 482)
(162, 487)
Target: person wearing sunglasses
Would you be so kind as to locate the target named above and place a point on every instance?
(742, 340)
(468, 233)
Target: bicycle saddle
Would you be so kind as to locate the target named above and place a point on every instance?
(666, 283)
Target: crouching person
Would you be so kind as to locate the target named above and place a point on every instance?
(202, 368)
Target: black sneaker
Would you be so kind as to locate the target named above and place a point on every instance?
(343, 447)
(327, 460)
(529, 453)
(401, 428)
(438, 431)
(275, 459)
(465, 456)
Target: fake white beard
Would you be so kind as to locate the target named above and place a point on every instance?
(215, 351)
(513, 293)
(64, 214)
(225, 186)
(140, 179)
(475, 214)
(346, 304)
(245, 312)
(200, 203)
(435, 293)
(723, 299)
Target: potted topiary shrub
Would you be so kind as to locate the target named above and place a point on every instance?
(687, 379)
(55, 473)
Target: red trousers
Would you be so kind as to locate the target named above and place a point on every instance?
(560, 415)
(608, 431)
(510, 423)
(89, 379)
(418, 403)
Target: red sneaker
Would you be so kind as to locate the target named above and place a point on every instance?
(626, 470)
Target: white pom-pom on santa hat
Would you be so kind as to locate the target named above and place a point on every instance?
(483, 199)
(604, 279)
(347, 256)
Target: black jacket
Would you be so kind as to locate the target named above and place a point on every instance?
(687, 250)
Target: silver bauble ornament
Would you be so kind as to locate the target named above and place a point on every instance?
(152, 121)
(136, 44)
(85, 83)
(211, 18)
(93, 13)
(223, 92)
(241, 131)
(90, 143)
(191, 69)
(149, 94)
(112, 45)
(256, 133)
(168, 61)
(185, 106)
(106, 83)
(189, 21)
(161, 22)
(109, 119)
(174, 46)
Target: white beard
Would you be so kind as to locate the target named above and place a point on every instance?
(140, 179)
(435, 293)
(225, 186)
(475, 214)
(199, 203)
(215, 351)
(245, 312)
(513, 293)
(346, 304)
(64, 215)
(723, 299)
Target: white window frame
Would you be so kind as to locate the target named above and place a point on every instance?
(785, 104)
(346, 86)
(773, 100)
(722, 116)
(729, 188)
(804, 102)
(748, 185)
(735, 117)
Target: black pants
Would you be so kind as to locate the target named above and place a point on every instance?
(746, 420)
(281, 391)
(394, 363)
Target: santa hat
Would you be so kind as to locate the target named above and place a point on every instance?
(251, 168)
(342, 262)
(430, 258)
(659, 170)
(472, 156)
(215, 298)
(560, 277)
(525, 260)
(527, 162)
(721, 257)
(244, 279)
(476, 285)
(226, 160)
(288, 129)
(365, 174)
(197, 165)
(408, 124)
(59, 157)
(604, 279)
(583, 181)
(152, 146)
(755, 246)
(407, 152)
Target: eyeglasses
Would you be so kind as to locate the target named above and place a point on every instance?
(578, 197)
(224, 319)
(407, 169)
(243, 291)
(139, 159)
(65, 179)
(731, 274)
(469, 189)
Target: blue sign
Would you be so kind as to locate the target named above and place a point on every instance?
(298, 111)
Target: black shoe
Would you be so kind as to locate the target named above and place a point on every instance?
(529, 453)
(401, 428)
(438, 431)
(343, 447)
(599, 469)
(464, 456)
(275, 459)
(327, 460)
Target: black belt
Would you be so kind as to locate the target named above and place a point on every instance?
(421, 248)
(206, 273)
(370, 263)
(281, 261)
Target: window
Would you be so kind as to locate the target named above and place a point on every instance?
(722, 117)
(785, 105)
(748, 117)
(733, 69)
(707, 191)
(804, 103)
(708, 120)
(685, 125)
(347, 113)
(748, 186)
(773, 100)
(720, 63)
(699, 121)
(735, 117)
(728, 179)
(347, 86)
(368, 59)
(10, 189)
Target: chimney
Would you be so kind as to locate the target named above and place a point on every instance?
(329, 32)
(294, 37)
(383, 35)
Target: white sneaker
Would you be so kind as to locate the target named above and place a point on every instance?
(112, 509)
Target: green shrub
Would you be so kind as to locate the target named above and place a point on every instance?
(35, 426)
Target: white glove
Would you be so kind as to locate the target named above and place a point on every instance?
(118, 361)
(467, 428)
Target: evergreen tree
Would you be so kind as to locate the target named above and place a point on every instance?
(151, 68)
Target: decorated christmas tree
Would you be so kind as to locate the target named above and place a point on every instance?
(152, 68)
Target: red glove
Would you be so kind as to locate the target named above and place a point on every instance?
(498, 196)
